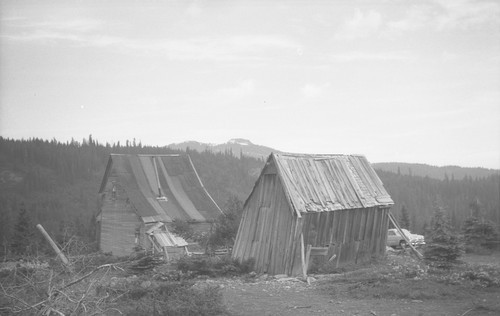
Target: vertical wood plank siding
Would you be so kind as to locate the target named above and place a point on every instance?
(355, 236)
(344, 232)
(118, 223)
(265, 228)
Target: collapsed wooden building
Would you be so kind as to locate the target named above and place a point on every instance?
(331, 206)
(140, 197)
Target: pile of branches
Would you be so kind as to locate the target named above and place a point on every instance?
(51, 291)
(145, 263)
(59, 289)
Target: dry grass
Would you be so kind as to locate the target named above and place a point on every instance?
(403, 277)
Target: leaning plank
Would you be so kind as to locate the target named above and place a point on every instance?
(395, 223)
(54, 246)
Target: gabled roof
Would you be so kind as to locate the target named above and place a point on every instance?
(162, 187)
(320, 183)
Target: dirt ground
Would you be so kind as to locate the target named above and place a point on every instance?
(284, 298)
(397, 285)
(342, 294)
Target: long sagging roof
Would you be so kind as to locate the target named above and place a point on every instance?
(162, 187)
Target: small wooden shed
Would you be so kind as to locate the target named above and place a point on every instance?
(333, 206)
(140, 197)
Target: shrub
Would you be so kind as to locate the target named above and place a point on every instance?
(176, 298)
(479, 234)
(183, 229)
(214, 266)
(443, 247)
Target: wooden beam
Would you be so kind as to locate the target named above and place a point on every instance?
(165, 253)
(308, 256)
(303, 256)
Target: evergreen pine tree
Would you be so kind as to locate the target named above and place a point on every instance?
(443, 247)
(425, 228)
(477, 231)
(404, 219)
(23, 236)
(226, 226)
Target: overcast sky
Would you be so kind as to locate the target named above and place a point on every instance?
(408, 81)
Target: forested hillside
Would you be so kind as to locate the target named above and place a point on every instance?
(57, 183)
(419, 195)
(441, 173)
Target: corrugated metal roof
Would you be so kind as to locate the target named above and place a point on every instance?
(145, 177)
(166, 239)
(319, 183)
(163, 237)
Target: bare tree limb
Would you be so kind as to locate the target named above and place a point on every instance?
(13, 297)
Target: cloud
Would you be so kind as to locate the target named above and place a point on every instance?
(242, 89)
(217, 98)
(243, 47)
(313, 90)
(360, 25)
(361, 56)
(45, 36)
(445, 15)
(67, 26)
(416, 17)
(447, 56)
(465, 14)
(440, 15)
(96, 33)
(194, 9)
(76, 31)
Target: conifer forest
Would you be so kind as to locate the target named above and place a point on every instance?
(56, 184)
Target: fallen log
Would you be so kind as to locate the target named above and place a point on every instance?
(58, 251)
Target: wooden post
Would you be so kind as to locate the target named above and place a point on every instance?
(165, 253)
(59, 253)
(303, 256)
(308, 255)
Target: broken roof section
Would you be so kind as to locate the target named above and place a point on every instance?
(164, 238)
(162, 187)
(319, 183)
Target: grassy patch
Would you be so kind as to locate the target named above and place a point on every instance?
(213, 266)
(173, 298)
(402, 277)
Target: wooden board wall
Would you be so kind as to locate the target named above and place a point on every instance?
(267, 228)
(118, 222)
(354, 236)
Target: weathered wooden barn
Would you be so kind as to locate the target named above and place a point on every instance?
(331, 206)
(141, 195)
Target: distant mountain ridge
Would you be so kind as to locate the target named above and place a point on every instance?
(243, 146)
(237, 146)
(441, 173)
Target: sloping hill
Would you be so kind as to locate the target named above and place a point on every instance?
(441, 173)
